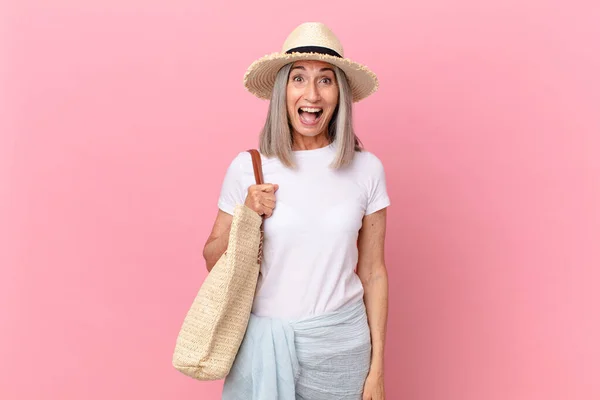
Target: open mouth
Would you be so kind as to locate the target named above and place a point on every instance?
(310, 115)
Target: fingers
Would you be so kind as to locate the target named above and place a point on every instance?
(268, 202)
(266, 211)
(261, 198)
(266, 207)
(267, 187)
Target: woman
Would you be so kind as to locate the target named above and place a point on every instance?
(317, 328)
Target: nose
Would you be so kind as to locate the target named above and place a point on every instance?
(311, 93)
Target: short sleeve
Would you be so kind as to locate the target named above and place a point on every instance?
(378, 197)
(232, 189)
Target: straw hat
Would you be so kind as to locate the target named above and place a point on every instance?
(309, 41)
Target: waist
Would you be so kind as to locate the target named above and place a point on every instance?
(354, 310)
(296, 301)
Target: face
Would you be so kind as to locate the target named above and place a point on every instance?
(312, 96)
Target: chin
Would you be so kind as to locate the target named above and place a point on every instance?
(309, 133)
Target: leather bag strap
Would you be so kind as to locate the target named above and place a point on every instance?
(258, 176)
(257, 164)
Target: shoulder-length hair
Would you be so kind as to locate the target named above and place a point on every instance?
(276, 136)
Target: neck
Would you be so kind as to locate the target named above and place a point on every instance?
(301, 142)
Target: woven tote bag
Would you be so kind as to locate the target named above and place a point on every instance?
(215, 324)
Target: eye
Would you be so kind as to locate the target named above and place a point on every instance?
(297, 78)
(327, 81)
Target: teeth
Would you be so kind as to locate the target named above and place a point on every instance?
(311, 110)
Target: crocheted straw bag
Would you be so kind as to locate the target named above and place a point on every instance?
(215, 324)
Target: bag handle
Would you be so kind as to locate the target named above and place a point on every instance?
(258, 176)
(257, 164)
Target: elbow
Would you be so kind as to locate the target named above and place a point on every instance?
(207, 260)
(375, 274)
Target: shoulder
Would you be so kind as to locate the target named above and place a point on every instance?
(240, 163)
(241, 159)
(367, 161)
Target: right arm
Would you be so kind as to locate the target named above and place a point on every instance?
(260, 198)
(216, 244)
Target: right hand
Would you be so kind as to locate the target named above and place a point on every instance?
(261, 198)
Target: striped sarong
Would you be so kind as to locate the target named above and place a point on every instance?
(326, 357)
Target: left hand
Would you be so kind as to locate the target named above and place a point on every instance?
(374, 389)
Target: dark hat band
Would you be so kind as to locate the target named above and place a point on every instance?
(314, 49)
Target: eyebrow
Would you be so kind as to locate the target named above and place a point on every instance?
(321, 70)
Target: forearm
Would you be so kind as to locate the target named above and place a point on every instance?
(376, 302)
(214, 249)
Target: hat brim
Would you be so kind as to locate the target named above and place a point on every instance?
(260, 76)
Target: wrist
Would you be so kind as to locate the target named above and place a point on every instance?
(376, 367)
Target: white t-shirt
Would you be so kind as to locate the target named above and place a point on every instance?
(309, 249)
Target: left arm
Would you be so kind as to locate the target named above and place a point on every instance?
(373, 275)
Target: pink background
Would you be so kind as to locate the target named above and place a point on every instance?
(118, 119)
